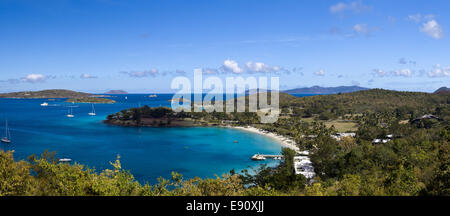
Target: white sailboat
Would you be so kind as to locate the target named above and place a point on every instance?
(93, 111)
(65, 160)
(44, 104)
(70, 114)
(258, 157)
(7, 138)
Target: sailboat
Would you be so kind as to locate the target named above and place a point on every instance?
(70, 115)
(93, 111)
(7, 138)
(65, 160)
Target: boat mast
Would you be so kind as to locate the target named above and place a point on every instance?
(7, 133)
(6, 129)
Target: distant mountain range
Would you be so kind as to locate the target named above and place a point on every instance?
(116, 92)
(325, 90)
(442, 90)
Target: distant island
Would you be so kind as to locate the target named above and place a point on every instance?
(90, 100)
(325, 90)
(52, 93)
(442, 90)
(116, 92)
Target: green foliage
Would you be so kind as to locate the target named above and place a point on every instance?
(15, 178)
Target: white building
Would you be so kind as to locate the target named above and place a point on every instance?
(339, 136)
(303, 166)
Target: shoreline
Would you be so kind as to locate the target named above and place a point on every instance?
(282, 140)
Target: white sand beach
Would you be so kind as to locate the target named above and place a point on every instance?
(284, 141)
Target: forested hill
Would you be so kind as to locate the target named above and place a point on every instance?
(442, 90)
(51, 93)
(374, 100)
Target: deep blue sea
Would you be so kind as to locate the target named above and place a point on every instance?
(147, 153)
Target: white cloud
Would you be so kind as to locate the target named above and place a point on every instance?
(356, 6)
(364, 29)
(34, 78)
(231, 66)
(210, 71)
(339, 7)
(438, 71)
(320, 73)
(361, 29)
(379, 72)
(87, 76)
(432, 29)
(142, 74)
(419, 17)
(415, 17)
(402, 72)
(259, 67)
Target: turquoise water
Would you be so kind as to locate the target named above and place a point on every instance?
(147, 152)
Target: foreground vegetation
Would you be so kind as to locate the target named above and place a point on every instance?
(414, 162)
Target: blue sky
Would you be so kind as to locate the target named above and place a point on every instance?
(139, 46)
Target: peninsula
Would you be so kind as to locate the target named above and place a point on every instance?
(90, 100)
(154, 117)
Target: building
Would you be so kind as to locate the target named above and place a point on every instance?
(427, 116)
(387, 139)
(303, 166)
(339, 136)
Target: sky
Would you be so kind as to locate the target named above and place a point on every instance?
(140, 46)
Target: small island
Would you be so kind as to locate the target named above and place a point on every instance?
(90, 100)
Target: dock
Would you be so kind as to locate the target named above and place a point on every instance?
(264, 157)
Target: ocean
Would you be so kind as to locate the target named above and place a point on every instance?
(147, 153)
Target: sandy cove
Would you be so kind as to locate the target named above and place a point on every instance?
(284, 141)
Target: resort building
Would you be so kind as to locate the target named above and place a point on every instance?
(388, 138)
(428, 116)
(303, 166)
(339, 136)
